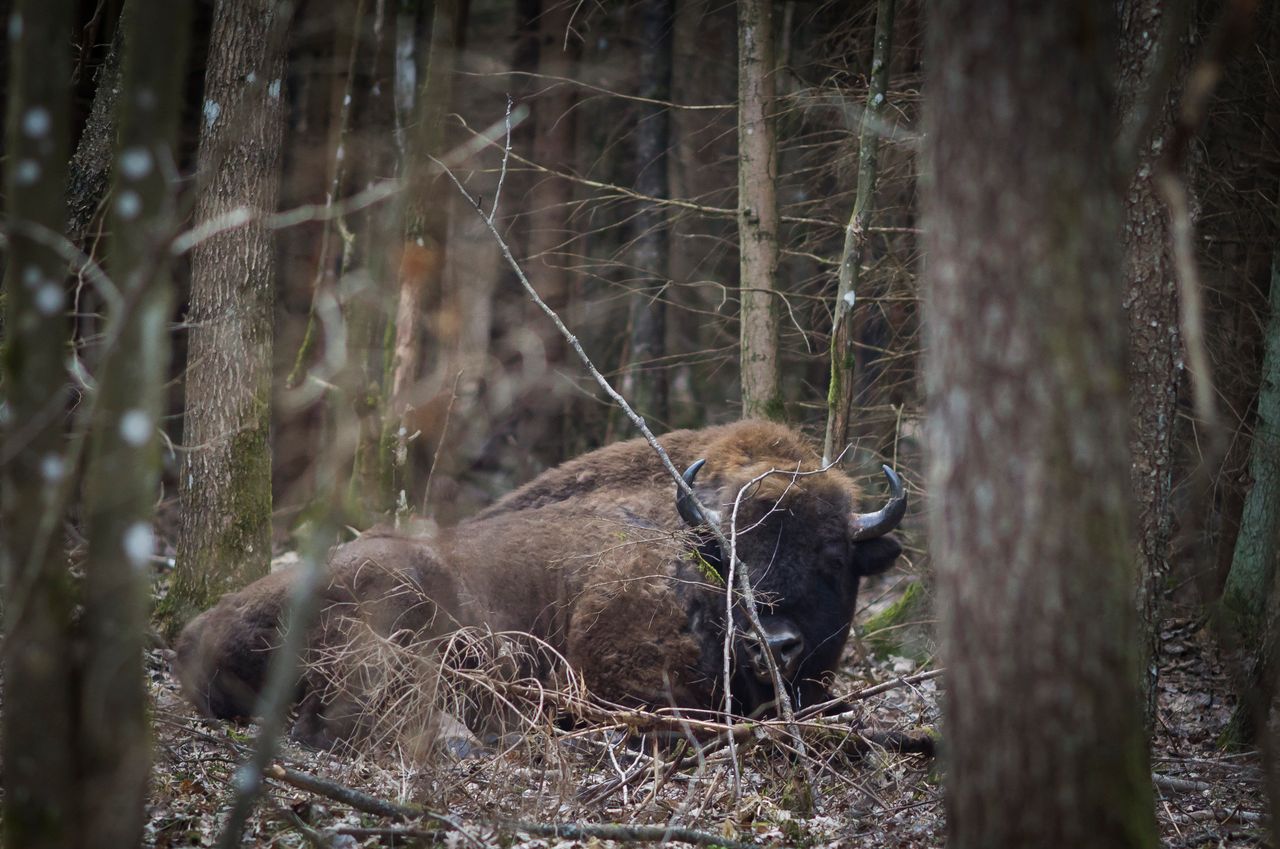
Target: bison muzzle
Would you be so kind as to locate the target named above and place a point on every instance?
(599, 561)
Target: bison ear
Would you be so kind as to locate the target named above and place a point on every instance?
(873, 556)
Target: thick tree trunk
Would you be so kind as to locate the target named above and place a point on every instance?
(123, 476)
(1151, 301)
(645, 381)
(757, 213)
(1025, 376)
(225, 484)
(39, 671)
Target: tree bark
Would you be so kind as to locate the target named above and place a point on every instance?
(1251, 582)
(225, 485)
(1151, 301)
(123, 476)
(91, 165)
(1025, 376)
(645, 381)
(757, 213)
(40, 807)
(843, 336)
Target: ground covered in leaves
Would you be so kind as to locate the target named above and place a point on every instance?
(536, 787)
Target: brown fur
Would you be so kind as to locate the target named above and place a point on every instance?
(592, 558)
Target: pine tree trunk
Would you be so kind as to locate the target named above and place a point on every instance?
(757, 213)
(39, 668)
(1025, 376)
(645, 381)
(123, 476)
(1151, 299)
(225, 484)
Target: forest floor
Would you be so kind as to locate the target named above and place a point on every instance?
(1204, 796)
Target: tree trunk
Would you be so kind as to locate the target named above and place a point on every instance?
(1025, 376)
(548, 204)
(645, 381)
(225, 484)
(39, 670)
(1251, 580)
(757, 213)
(426, 231)
(91, 164)
(843, 336)
(123, 476)
(1151, 300)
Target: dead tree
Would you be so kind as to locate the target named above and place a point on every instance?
(843, 334)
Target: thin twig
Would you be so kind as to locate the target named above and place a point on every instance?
(506, 156)
(444, 430)
(396, 812)
(623, 833)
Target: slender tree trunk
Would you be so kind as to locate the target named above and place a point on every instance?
(548, 204)
(39, 670)
(555, 128)
(757, 212)
(1025, 376)
(645, 382)
(123, 476)
(370, 304)
(1251, 581)
(426, 231)
(225, 484)
(843, 336)
(1151, 299)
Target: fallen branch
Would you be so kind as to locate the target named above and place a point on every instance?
(625, 833)
(348, 796)
(821, 710)
(396, 812)
(1178, 785)
(1222, 817)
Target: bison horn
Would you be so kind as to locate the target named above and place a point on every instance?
(685, 504)
(871, 525)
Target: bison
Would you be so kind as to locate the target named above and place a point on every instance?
(601, 560)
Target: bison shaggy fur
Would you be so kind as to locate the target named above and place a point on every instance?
(593, 559)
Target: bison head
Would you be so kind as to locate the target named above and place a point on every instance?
(804, 549)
